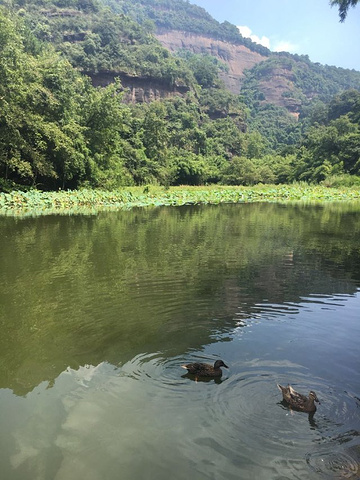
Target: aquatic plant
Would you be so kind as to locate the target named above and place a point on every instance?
(34, 202)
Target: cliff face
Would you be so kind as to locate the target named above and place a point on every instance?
(237, 57)
(138, 89)
(279, 89)
(277, 86)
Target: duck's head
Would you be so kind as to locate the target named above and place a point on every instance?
(220, 363)
(313, 396)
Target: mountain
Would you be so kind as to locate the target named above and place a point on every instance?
(130, 39)
(282, 79)
(237, 58)
(278, 88)
(104, 93)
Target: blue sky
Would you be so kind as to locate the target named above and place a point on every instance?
(308, 27)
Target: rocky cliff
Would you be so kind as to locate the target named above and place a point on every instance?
(138, 89)
(279, 89)
(237, 57)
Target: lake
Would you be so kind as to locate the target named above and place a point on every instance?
(99, 312)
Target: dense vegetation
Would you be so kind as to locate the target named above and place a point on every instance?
(58, 131)
(309, 87)
(184, 16)
(93, 39)
(35, 203)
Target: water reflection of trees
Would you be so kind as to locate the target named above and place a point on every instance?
(82, 289)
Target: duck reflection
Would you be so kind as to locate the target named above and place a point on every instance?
(196, 379)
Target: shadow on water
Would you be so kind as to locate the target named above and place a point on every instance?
(98, 313)
(194, 378)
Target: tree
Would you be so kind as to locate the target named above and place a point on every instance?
(110, 138)
(188, 168)
(347, 102)
(205, 67)
(344, 6)
(240, 171)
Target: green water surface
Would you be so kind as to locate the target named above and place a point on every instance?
(98, 312)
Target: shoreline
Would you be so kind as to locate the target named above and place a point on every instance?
(86, 201)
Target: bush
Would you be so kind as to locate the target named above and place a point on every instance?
(7, 186)
(240, 171)
(345, 180)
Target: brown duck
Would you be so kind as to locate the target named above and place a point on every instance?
(299, 401)
(204, 369)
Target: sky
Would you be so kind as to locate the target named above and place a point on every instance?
(305, 27)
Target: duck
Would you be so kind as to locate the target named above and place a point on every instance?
(299, 401)
(204, 369)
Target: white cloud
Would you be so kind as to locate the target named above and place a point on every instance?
(246, 32)
(280, 46)
(284, 46)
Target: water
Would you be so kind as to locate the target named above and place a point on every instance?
(97, 313)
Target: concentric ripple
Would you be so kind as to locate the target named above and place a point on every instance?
(248, 403)
(335, 464)
(249, 408)
(241, 416)
(157, 371)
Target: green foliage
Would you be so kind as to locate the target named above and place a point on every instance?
(348, 103)
(183, 16)
(204, 67)
(34, 202)
(344, 6)
(223, 138)
(271, 169)
(58, 131)
(39, 134)
(307, 88)
(105, 129)
(94, 39)
(240, 171)
(344, 180)
(189, 168)
(220, 103)
(332, 148)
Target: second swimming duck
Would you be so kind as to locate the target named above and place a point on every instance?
(299, 401)
(204, 369)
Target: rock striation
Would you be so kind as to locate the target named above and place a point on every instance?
(237, 57)
(138, 89)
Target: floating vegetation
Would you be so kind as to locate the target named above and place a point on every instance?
(35, 202)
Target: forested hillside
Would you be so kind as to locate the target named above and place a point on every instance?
(57, 130)
(184, 16)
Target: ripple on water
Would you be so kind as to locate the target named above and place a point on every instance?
(158, 372)
(336, 464)
(244, 414)
(249, 408)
